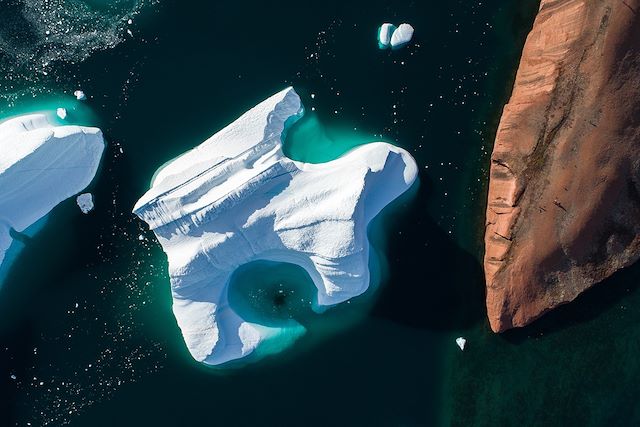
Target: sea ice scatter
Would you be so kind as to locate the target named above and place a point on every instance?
(85, 202)
(236, 198)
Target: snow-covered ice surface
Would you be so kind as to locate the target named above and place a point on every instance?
(236, 198)
(85, 202)
(41, 165)
(401, 36)
(384, 35)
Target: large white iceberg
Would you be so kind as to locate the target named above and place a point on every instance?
(236, 198)
(41, 164)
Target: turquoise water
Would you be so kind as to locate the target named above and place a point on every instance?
(86, 324)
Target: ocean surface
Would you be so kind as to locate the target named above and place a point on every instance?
(87, 337)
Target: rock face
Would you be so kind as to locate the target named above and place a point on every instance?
(236, 198)
(40, 166)
(564, 204)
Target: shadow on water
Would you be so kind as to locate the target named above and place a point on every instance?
(439, 285)
(585, 308)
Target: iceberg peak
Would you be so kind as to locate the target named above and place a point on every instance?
(236, 198)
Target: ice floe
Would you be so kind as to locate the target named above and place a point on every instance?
(85, 202)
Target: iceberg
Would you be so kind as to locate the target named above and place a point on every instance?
(384, 35)
(401, 36)
(236, 198)
(41, 165)
(461, 342)
(80, 95)
(85, 202)
(62, 113)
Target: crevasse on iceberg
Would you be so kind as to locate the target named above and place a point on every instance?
(41, 165)
(236, 198)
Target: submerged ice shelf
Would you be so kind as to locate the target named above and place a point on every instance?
(236, 198)
(41, 165)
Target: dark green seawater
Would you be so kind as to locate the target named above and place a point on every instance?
(87, 337)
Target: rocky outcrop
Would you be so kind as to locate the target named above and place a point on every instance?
(564, 196)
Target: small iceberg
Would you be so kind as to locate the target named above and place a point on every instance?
(85, 202)
(384, 35)
(401, 36)
(461, 342)
(62, 113)
(390, 36)
(41, 165)
(80, 95)
(236, 198)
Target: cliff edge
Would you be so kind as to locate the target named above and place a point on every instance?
(563, 207)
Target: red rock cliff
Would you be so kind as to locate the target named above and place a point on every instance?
(564, 195)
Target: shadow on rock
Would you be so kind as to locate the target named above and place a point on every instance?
(587, 307)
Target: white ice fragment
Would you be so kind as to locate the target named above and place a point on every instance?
(42, 164)
(141, 237)
(85, 202)
(461, 342)
(236, 198)
(401, 36)
(62, 113)
(80, 95)
(384, 35)
(13, 377)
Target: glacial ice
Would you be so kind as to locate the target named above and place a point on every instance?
(41, 164)
(236, 198)
(461, 342)
(80, 95)
(85, 202)
(384, 35)
(62, 113)
(401, 36)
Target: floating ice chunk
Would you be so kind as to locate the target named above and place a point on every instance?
(401, 36)
(62, 113)
(236, 198)
(461, 342)
(141, 237)
(85, 202)
(80, 95)
(42, 164)
(384, 35)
